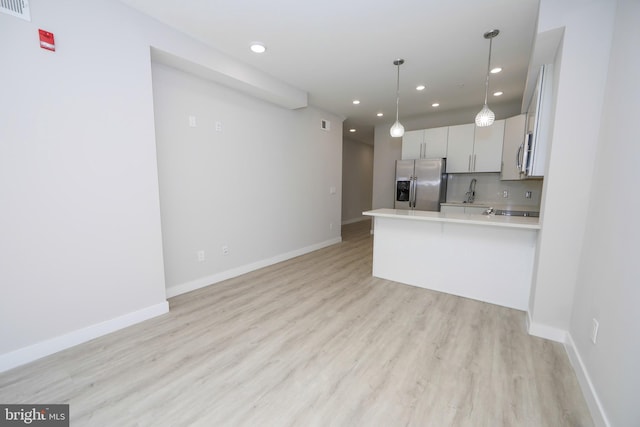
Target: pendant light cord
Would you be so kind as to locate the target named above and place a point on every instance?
(486, 83)
(398, 92)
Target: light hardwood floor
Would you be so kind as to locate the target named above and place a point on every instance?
(313, 341)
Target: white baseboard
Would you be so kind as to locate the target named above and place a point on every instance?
(235, 272)
(544, 331)
(45, 348)
(354, 220)
(589, 392)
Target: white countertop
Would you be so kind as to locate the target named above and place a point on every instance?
(487, 220)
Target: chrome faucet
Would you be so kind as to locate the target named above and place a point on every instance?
(471, 194)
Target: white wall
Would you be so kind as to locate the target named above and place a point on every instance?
(608, 278)
(80, 223)
(386, 150)
(260, 186)
(581, 79)
(81, 243)
(357, 179)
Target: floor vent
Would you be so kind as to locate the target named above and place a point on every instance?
(19, 8)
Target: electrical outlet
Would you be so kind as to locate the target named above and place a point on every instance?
(218, 126)
(594, 330)
(505, 193)
(527, 194)
(200, 256)
(192, 121)
(225, 250)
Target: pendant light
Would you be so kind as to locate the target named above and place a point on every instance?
(397, 130)
(486, 117)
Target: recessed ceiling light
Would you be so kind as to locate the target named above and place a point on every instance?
(352, 130)
(421, 87)
(258, 47)
(356, 102)
(435, 104)
(379, 114)
(497, 93)
(496, 70)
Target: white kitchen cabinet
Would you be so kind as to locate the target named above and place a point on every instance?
(487, 147)
(514, 135)
(475, 149)
(460, 148)
(452, 209)
(472, 210)
(435, 142)
(425, 143)
(412, 143)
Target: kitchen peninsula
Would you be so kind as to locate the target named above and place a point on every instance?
(484, 257)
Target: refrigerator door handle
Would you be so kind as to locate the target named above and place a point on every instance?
(469, 166)
(474, 162)
(411, 191)
(415, 190)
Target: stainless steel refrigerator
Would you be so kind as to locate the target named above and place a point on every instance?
(420, 184)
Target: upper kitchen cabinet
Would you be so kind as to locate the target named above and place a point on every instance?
(425, 143)
(487, 147)
(475, 149)
(513, 147)
(412, 144)
(460, 148)
(435, 142)
(539, 118)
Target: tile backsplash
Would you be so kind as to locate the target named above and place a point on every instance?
(490, 190)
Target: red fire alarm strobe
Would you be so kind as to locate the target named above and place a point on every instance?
(46, 40)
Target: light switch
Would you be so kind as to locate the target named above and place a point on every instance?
(218, 126)
(332, 190)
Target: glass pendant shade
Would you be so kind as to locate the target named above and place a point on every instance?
(397, 130)
(485, 117)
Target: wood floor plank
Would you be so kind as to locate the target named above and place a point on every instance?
(313, 341)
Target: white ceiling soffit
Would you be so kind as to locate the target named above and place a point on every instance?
(17, 8)
(238, 76)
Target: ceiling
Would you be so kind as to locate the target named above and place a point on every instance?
(339, 51)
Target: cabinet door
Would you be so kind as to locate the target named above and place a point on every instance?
(460, 148)
(487, 148)
(435, 141)
(452, 209)
(514, 132)
(474, 211)
(412, 144)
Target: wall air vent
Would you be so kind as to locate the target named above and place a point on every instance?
(19, 8)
